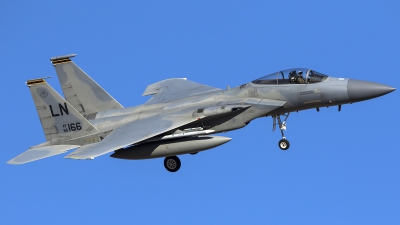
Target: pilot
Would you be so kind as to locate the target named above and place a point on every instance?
(292, 77)
(299, 78)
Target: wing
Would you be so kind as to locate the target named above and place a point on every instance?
(174, 89)
(132, 133)
(37, 153)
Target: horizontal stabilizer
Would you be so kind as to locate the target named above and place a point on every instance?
(37, 153)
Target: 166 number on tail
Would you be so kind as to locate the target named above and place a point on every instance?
(72, 127)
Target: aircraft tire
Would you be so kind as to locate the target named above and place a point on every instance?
(284, 144)
(172, 163)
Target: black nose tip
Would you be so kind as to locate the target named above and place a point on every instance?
(359, 90)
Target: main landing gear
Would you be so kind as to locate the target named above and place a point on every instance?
(172, 163)
(283, 143)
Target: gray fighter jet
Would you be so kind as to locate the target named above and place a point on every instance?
(179, 117)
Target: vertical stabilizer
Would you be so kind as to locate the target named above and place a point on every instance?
(59, 119)
(81, 90)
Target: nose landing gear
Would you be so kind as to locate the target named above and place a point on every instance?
(283, 143)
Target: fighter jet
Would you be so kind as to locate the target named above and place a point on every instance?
(181, 117)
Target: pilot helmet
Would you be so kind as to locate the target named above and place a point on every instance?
(300, 72)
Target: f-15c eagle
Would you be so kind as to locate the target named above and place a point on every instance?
(179, 118)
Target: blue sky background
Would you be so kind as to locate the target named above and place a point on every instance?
(342, 168)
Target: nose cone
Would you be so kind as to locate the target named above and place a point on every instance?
(359, 90)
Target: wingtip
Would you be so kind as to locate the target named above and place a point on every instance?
(11, 162)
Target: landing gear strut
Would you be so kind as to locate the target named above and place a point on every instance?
(172, 163)
(283, 143)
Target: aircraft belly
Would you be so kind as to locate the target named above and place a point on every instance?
(170, 148)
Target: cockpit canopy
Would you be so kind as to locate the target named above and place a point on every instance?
(292, 76)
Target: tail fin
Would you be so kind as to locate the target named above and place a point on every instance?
(60, 120)
(81, 90)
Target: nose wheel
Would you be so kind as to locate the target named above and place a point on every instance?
(283, 143)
